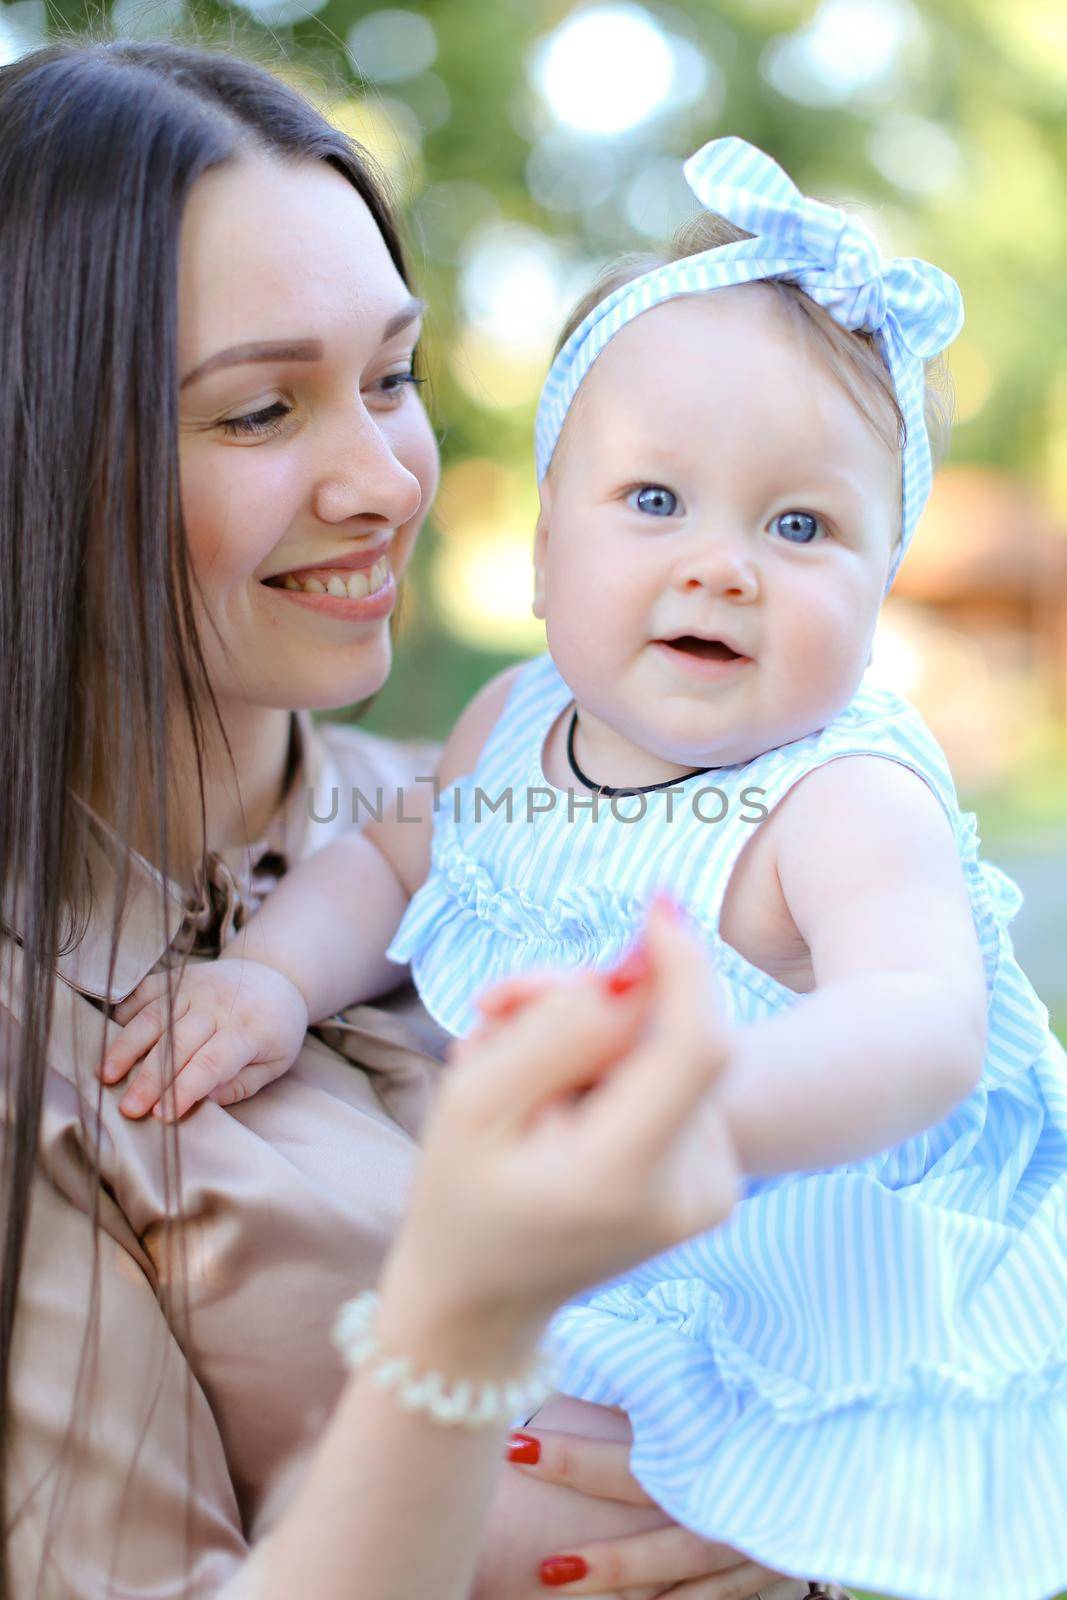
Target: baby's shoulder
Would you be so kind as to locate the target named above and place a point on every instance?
(864, 754)
(475, 723)
(870, 793)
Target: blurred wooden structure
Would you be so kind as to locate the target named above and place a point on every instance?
(989, 561)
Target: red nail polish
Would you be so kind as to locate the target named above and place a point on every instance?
(629, 972)
(524, 1449)
(509, 1004)
(558, 1570)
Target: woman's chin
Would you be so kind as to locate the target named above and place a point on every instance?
(334, 689)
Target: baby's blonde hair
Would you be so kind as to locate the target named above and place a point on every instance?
(851, 356)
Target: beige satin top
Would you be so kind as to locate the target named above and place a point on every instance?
(186, 1437)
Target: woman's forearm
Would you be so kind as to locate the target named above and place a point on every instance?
(852, 1069)
(394, 1504)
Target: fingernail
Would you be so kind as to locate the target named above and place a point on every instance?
(629, 972)
(667, 906)
(524, 1449)
(558, 1570)
(507, 1006)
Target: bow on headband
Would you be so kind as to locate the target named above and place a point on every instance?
(913, 309)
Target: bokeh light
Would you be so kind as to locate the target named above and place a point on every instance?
(516, 283)
(22, 28)
(447, 213)
(606, 69)
(492, 373)
(914, 153)
(972, 377)
(280, 13)
(482, 573)
(391, 46)
(428, 97)
(658, 199)
(850, 47)
(567, 174)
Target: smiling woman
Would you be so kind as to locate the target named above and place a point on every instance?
(175, 1420)
(306, 464)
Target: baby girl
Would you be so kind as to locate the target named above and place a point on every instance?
(864, 1370)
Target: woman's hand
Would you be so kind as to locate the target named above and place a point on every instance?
(571, 1138)
(569, 1501)
(652, 1556)
(235, 1026)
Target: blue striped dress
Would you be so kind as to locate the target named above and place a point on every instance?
(862, 1374)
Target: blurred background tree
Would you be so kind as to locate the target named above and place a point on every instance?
(527, 141)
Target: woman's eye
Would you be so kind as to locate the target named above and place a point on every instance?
(654, 500)
(264, 421)
(392, 386)
(799, 527)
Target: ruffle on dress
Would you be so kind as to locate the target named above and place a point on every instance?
(850, 1381)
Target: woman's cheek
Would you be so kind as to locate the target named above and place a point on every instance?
(234, 521)
(416, 449)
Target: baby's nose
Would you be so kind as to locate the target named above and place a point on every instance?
(723, 566)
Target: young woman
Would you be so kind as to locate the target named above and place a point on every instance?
(206, 366)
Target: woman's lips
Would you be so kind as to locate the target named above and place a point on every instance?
(361, 594)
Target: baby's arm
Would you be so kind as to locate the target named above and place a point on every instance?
(234, 1025)
(317, 944)
(330, 921)
(893, 1035)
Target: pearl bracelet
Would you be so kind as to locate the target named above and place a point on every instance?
(466, 1403)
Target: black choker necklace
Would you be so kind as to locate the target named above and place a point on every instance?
(604, 788)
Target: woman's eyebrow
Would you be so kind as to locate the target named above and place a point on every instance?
(414, 308)
(293, 349)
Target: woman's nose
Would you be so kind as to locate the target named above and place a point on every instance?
(723, 565)
(367, 480)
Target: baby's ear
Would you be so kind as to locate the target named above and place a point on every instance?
(540, 551)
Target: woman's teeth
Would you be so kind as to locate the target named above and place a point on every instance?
(343, 586)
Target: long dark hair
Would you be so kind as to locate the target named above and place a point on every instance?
(100, 145)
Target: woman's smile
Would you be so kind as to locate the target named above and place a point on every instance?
(362, 596)
(357, 584)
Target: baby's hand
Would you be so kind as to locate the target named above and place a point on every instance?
(236, 1026)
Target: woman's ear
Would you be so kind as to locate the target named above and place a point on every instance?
(540, 550)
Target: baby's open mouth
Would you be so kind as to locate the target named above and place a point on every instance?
(706, 649)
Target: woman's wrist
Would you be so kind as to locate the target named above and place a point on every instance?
(460, 1337)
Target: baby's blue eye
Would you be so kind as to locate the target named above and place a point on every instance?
(654, 500)
(799, 527)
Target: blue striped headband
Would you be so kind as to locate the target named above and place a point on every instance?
(913, 309)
